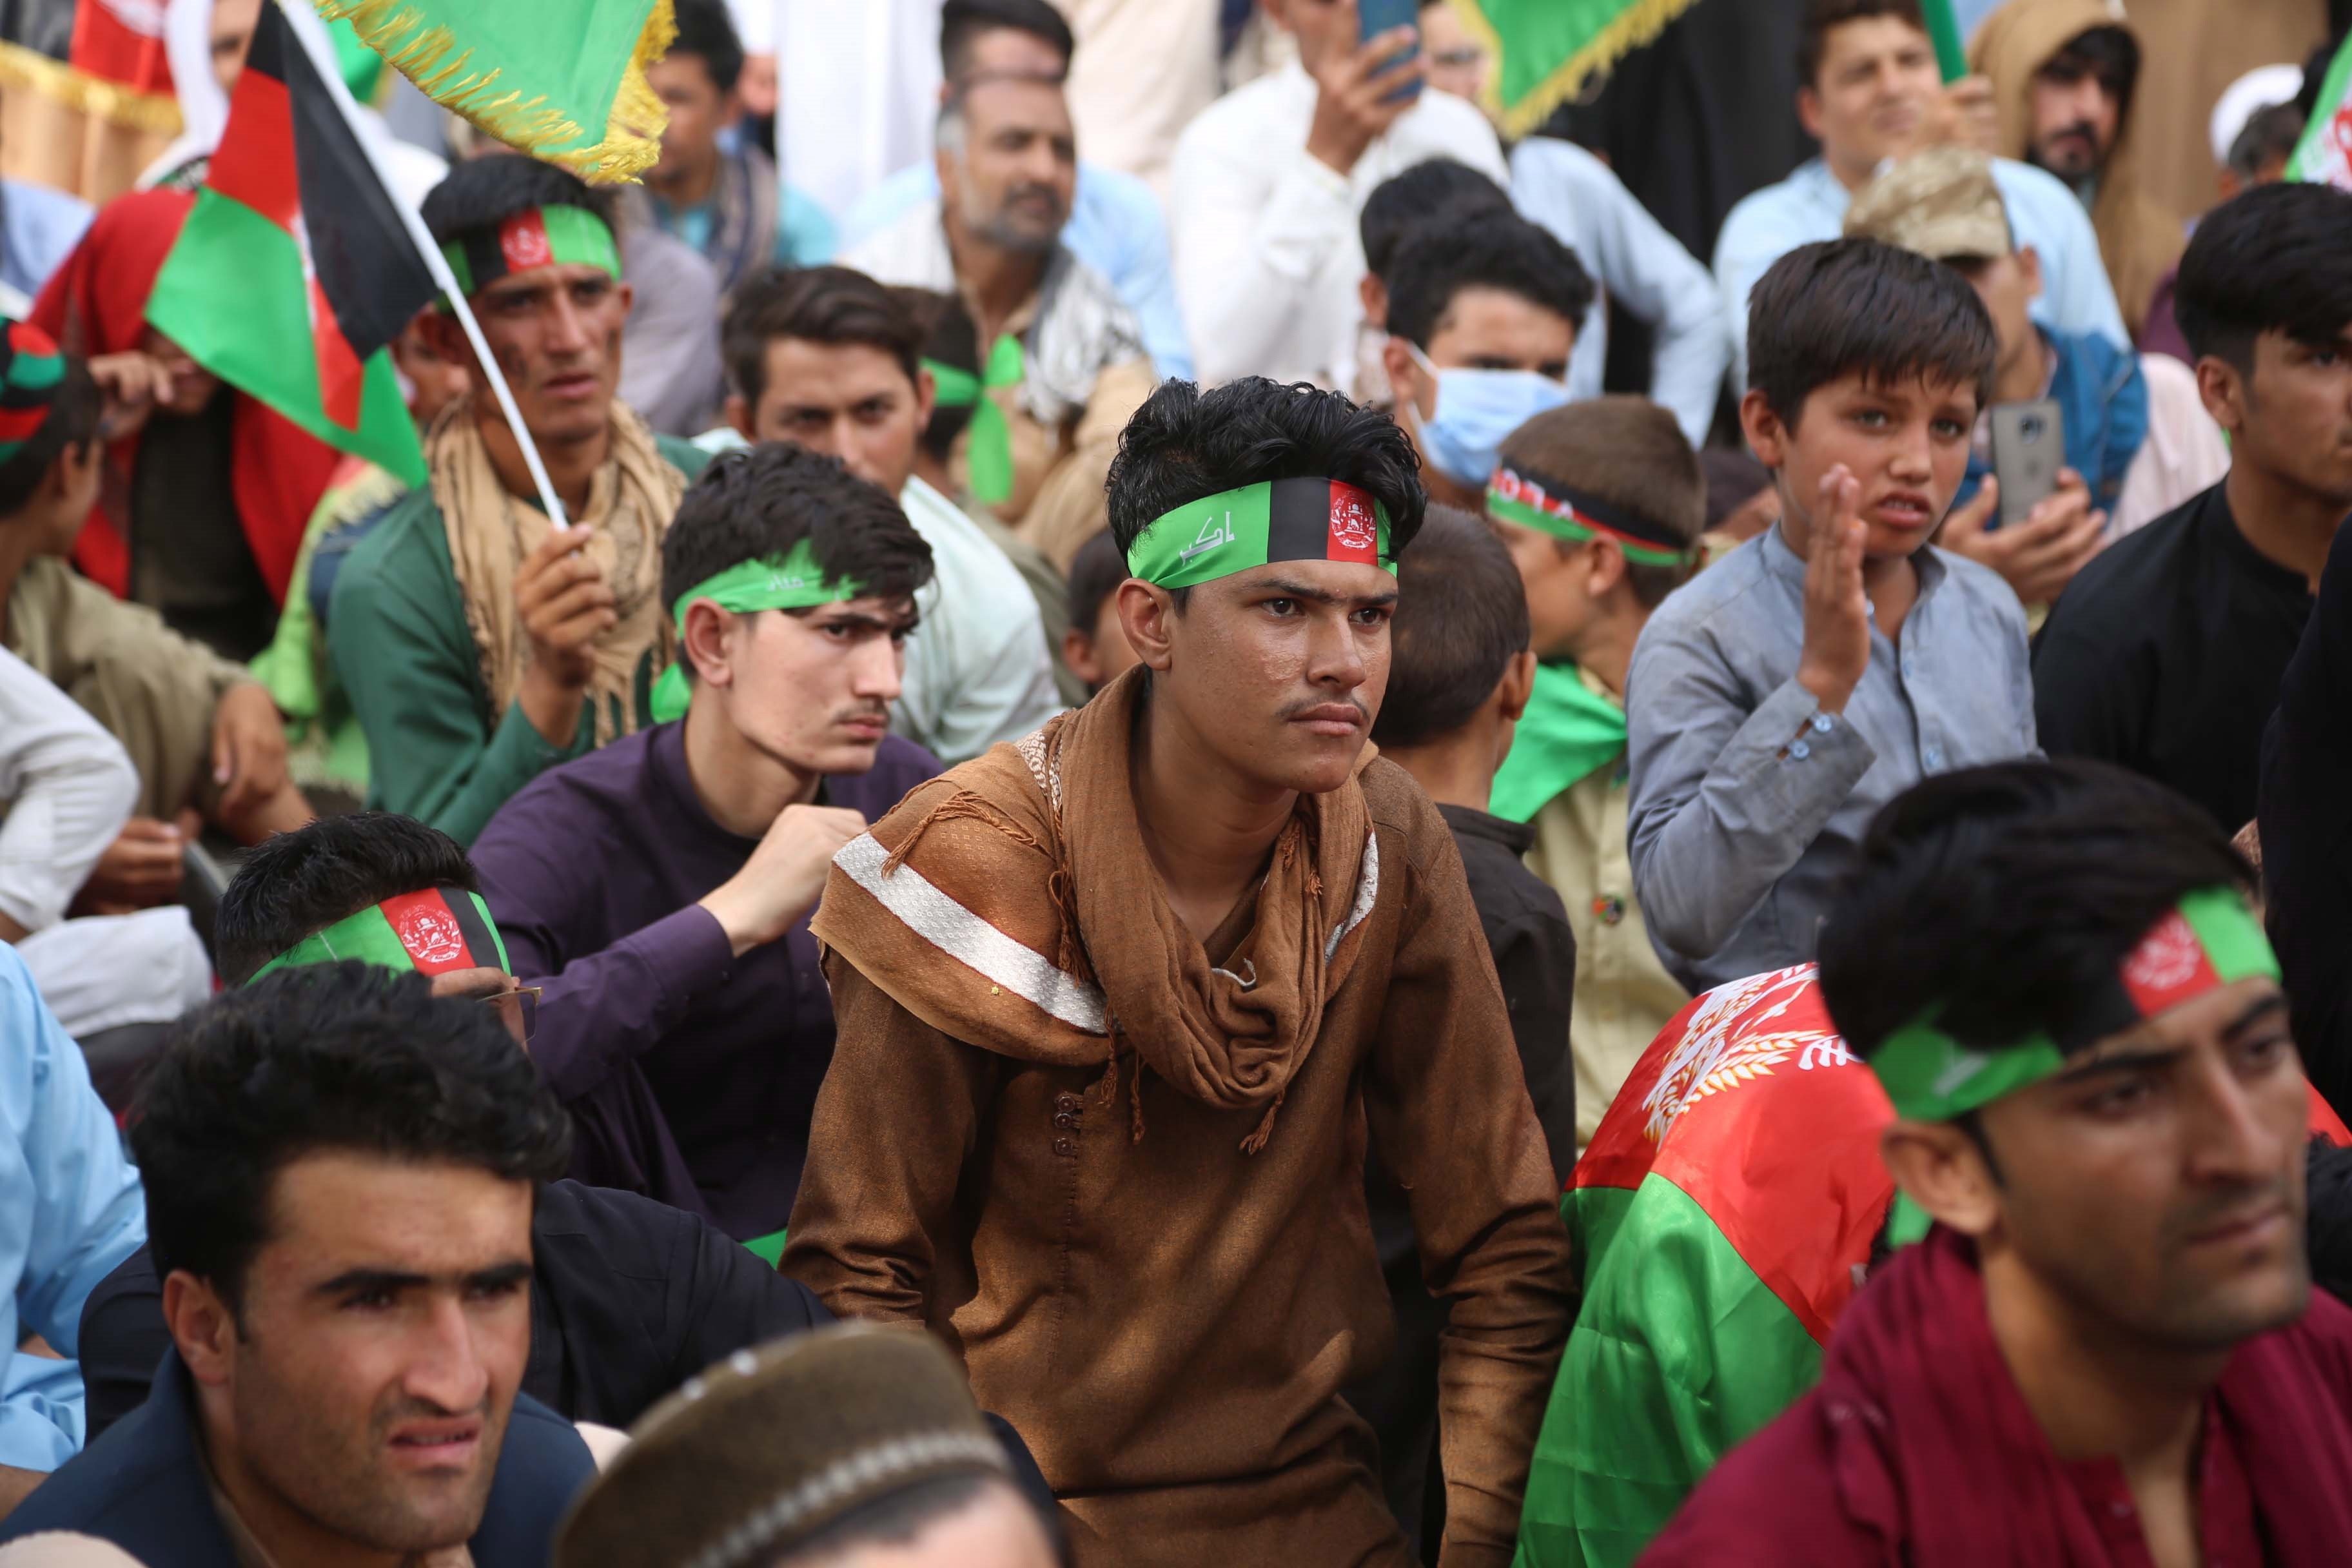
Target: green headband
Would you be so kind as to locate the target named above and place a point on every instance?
(431, 932)
(1567, 514)
(2208, 940)
(988, 459)
(794, 582)
(542, 237)
(1274, 520)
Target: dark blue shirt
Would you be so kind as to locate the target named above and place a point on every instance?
(691, 1074)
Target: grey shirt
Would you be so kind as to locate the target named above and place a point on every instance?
(1748, 802)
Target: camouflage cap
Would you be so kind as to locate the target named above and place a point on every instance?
(1941, 204)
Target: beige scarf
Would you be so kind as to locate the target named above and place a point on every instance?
(491, 533)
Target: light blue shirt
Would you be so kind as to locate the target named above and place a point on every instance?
(1573, 193)
(40, 230)
(1747, 803)
(1114, 227)
(70, 1212)
(1809, 204)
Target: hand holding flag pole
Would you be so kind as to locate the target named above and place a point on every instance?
(310, 33)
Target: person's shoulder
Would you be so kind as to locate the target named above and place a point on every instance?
(2122, 584)
(1546, 166)
(2039, 188)
(555, 818)
(1758, 210)
(680, 452)
(1707, 595)
(1397, 802)
(1119, 191)
(1235, 116)
(138, 1485)
(542, 1465)
(1980, 585)
(613, 771)
(1773, 1501)
(407, 541)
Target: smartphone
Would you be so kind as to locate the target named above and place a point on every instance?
(2029, 447)
(1378, 16)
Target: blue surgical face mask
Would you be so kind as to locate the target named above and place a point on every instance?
(1476, 411)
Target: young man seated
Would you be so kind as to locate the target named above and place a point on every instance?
(1483, 317)
(1825, 666)
(1094, 647)
(657, 890)
(1599, 504)
(339, 1171)
(2107, 1349)
(830, 360)
(2166, 656)
(2138, 436)
(1460, 673)
(204, 737)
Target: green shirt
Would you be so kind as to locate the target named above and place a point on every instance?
(396, 630)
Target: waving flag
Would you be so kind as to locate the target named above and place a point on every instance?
(2324, 156)
(560, 79)
(1547, 50)
(295, 271)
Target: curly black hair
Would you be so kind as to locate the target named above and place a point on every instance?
(1481, 249)
(295, 884)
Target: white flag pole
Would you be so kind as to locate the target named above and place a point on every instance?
(311, 33)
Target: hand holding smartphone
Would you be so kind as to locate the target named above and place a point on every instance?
(2029, 447)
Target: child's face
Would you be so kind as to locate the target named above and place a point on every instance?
(1556, 575)
(1100, 654)
(1906, 442)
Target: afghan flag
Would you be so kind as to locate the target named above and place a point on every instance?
(2324, 156)
(1547, 50)
(562, 79)
(295, 270)
(1727, 1210)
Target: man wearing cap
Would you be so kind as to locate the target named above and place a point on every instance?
(2138, 439)
(657, 890)
(2106, 1349)
(481, 644)
(1121, 1004)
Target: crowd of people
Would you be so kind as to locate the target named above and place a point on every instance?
(1281, 836)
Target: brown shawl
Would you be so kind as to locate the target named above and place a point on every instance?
(1026, 869)
(630, 503)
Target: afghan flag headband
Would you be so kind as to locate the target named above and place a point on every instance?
(2208, 940)
(1515, 496)
(542, 237)
(431, 932)
(790, 582)
(30, 369)
(1257, 525)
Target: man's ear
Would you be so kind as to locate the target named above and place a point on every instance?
(705, 643)
(444, 337)
(1768, 437)
(1518, 687)
(926, 398)
(202, 1326)
(2028, 266)
(1940, 1168)
(1373, 294)
(1396, 358)
(1078, 653)
(1604, 567)
(1808, 111)
(2222, 386)
(737, 414)
(1147, 613)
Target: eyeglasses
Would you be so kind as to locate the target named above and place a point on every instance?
(517, 1010)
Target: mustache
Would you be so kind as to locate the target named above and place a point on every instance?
(2083, 128)
(2227, 1208)
(1306, 703)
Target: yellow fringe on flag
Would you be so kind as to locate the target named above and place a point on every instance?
(1637, 25)
(158, 112)
(632, 126)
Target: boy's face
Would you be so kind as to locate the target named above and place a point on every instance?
(2291, 415)
(1100, 653)
(1558, 575)
(1876, 95)
(1906, 442)
(62, 503)
(2008, 285)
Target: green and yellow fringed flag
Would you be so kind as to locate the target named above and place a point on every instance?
(1546, 51)
(562, 79)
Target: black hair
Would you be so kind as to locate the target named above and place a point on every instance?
(2108, 52)
(1461, 618)
(1482, 250)
(897, 1516)
(1628, 453)
(756, 503)
(295, 885)
(1431, 190)
(962, 22)
(2007, 896)
(481, 193)
(1837, 306)
(1184, 443)
(707, 31)
(1823, 17)
(1096, 573)
(2268, 135)
(2270, 260)
(345, 1056)
(829, 305)
(75, 404)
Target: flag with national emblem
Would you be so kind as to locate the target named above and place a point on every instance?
(2324, 156)
(295, 271)
(1547, 51)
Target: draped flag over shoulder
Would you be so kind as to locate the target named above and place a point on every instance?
(295, 270)
(1547, 50)
(2324, 156)
(562, 79)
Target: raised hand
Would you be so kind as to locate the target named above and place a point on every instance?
(1360, 94)
(1836, 653)
(2039, 555)
(781, 880)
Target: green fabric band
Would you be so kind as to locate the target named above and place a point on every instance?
(2208, 940)
(1532, 503)
(1274, 520)
(1568, 732)
(434, 931)
(543, 236)
(988, 459)
(794, 582)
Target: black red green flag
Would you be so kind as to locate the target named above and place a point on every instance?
(295, 270)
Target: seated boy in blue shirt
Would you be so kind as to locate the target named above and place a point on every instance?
(1784, 695)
